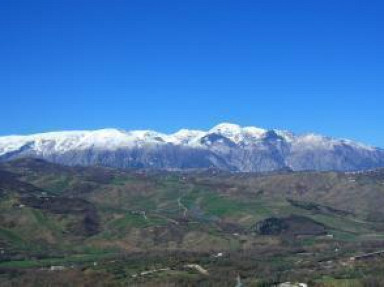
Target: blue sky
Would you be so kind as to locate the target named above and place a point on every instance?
(298, 65)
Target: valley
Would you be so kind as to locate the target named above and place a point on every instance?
(101, 226)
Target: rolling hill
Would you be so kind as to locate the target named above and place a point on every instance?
(108, 226)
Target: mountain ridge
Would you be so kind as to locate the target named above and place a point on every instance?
(226, 146)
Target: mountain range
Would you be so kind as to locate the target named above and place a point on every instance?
(226, 146)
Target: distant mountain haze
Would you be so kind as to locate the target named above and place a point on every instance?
(226, 146)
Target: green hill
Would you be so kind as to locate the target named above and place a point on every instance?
(106, 226)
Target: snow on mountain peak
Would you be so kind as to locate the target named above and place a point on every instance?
(237, 133)
(112, 139)
(228, 146)
(185, 136)
(224, 128)
(254, 131)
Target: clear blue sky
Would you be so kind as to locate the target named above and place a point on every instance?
(298, 65)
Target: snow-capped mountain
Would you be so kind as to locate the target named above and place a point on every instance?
(225, 146)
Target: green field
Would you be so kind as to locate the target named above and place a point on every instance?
(108, 226)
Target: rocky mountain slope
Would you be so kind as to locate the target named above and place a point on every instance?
(226, 146)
